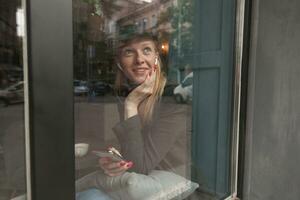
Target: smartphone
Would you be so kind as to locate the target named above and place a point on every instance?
(103, 154)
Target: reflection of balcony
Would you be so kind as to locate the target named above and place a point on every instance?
(145, 17)
(95, 28)
(142, 11)
(140, 1)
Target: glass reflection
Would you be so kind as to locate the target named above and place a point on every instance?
(12, 147)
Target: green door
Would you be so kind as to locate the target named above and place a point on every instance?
(212, 94)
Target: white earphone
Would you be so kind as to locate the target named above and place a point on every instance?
(156, 61)
(119, 66)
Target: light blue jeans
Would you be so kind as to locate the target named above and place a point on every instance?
(92, 194)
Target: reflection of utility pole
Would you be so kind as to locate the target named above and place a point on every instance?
(90, 54)
(87, 64)
(179, 4)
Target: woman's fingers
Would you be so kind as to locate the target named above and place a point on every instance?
(113, 168)
(117, 171)
(107, 164)
(103, 161)
(147, 86)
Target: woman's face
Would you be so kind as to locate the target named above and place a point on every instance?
(137, 59)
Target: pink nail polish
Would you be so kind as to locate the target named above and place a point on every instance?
(122, 163)
(129, 165)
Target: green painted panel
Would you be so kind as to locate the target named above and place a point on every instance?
(212, 95)
(205, 111)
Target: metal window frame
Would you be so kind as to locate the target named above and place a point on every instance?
(48, 60)
(26, 104)
(242, 44)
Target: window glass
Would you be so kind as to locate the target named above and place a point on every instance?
(187, 82)
(133, 94)
(12, 142)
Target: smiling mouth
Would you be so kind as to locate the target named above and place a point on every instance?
(140, 70)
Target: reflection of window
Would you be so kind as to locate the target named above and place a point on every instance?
(139, 27)
(111, 27)
(145, 24)
(154, 20)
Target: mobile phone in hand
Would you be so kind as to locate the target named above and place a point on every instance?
(107, 154)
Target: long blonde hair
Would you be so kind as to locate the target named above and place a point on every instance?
(150, 101)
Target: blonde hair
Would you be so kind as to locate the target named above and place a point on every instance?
(158, 89)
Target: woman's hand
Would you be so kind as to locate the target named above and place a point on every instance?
(114, 168)
(139, 94)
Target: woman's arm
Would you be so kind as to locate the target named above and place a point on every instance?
(137, 96)
(147, 147)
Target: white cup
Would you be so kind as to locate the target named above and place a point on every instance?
(81, 149)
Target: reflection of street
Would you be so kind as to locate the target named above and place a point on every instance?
(10, 118)
(94, 119)
(95, 99)
(9, 115)
(110, 99)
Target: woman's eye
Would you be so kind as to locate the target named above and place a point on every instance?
(127, 52)
(147, 50)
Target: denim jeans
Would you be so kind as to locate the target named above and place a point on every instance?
(92, 194)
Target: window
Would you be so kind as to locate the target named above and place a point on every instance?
(185, 134)
(154, 21)
(12, 134)
(145, 20)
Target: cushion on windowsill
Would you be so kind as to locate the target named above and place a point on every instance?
(158, 185)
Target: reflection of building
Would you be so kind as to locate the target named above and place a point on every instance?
(94, 38)
(145, 17)
(148, 18)
(97, 31)
(10, 43)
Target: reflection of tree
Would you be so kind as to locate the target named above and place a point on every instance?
(92, 55)
(104, 8)
(180, 37)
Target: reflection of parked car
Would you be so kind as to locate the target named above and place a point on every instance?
(125, 89)
(169, 88)
(184, 91)
(12, 94)
(80, 87)
(99, 88)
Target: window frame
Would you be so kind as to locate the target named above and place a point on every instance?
(48, 95)
(44, 167)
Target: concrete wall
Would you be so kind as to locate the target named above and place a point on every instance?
(273, 119)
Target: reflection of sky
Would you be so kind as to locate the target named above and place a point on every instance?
(20, 22)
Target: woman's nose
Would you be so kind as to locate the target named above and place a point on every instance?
(139, 58)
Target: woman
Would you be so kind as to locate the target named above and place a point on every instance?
(148, 133)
